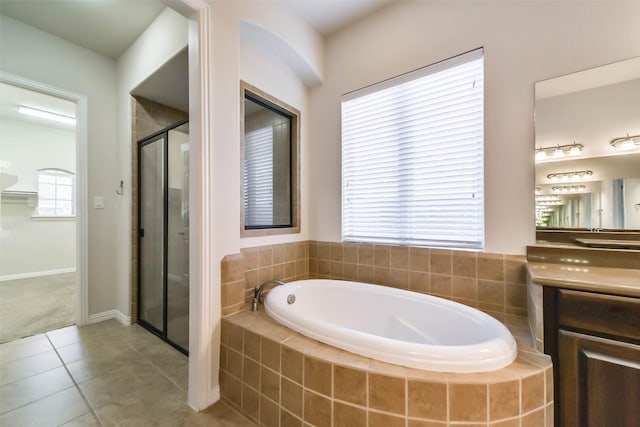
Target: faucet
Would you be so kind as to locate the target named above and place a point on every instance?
(257, 293)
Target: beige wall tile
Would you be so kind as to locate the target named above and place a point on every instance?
(366, 273)
(279, 254)
(504, 400)
(291, 363)
(324, 251)
(387, 393)
(265, 256)
(532, 392)
(464, 264)
(232, 388)
(467, 402)
(419, 259)
(440, 261)
(533, 419)
(232, 335)
(515, 269)
(515, 295)
(350, 253)
(317, 375)
(288, 420)
(377, 419)
(491, 292)
(440, 285)
(250, 402)
(269, 413)
(399, 257)
(348, 416)
(548, 383)
(251, 258)
(233, 268)
(251, 373)
(365, 254)
(464, 287)
(234, 363)
(291, 396)
(424, 423)
(399, 278)
(317, 409)
(350, 385)
(252, 345)
(337, 252)
(290, 252)
(427, 400)
(270, 354)
(515, 422)
(490, 267)
(270, 384)
(381, 256)
(419, 281)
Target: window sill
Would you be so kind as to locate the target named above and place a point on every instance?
(52, 218)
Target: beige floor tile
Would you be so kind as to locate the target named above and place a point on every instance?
(28, 366)
(24, 347)
(30, 389)
(53, 410)
(86, 420)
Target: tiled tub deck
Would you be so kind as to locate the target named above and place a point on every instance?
(278, 377)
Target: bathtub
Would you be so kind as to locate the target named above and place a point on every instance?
(393, 325)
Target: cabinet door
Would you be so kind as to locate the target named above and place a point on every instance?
(599, 383)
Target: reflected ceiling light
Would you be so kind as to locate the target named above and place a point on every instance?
(569, 189)
(570, 176)
(48, 115)
(626, 143)
(558, 152)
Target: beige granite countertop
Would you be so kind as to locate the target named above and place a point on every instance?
(615, 281)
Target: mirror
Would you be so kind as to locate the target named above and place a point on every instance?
(269, 164)
(587, 149)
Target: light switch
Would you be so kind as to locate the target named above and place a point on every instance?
(98, 202)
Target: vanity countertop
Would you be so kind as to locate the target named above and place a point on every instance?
(615, 281)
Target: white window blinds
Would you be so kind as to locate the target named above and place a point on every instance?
(412, 158)
(258, 177)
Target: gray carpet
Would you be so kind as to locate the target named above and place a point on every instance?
(36, 305)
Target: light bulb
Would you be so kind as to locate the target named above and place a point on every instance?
(575, 150)
(558, 153)
(628, 145)
(540, 155)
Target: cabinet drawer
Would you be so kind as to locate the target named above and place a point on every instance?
(608, 314)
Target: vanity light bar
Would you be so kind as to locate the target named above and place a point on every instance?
(626, 143)
(548, 198)
(570, 176)
(559, 151)
(569, 189)
(549, 202)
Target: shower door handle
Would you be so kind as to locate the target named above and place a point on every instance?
(141, 233)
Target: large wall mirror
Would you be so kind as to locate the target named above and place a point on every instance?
(587, 149)
(270, 165)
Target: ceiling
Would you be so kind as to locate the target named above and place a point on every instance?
(109, 27)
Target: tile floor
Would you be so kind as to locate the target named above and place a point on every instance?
(104, 374)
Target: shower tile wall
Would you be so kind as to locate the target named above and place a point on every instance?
(147, 118)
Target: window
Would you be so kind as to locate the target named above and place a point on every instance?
(270, 165)
(412, 158)
(56, 193)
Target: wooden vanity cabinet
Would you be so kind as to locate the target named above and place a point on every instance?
(594, 342)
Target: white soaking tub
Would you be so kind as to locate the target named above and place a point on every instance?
(392, 325)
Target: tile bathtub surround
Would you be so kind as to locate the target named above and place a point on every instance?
(286, 261)
(278, 377)
(494, 283)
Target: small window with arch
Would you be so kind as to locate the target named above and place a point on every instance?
(56, 193)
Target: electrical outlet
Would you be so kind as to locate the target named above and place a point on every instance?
(98, 202)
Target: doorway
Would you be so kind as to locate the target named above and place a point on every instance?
(40, 210)
(163, 234)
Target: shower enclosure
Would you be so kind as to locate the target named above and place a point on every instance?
(163, 235)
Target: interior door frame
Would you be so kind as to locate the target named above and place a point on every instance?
(82, 209)
(161, 135)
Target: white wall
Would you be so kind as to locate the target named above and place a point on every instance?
(523, 42)
(33, 54)
(632, 203)
(161, 41)
(32, 246)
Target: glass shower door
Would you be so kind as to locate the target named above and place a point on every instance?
(163, 266)
(178, 237)
(151, 242)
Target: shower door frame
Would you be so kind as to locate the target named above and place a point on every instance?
(165, 224)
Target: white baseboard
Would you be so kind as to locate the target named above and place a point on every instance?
(36, 274)
(110, 314)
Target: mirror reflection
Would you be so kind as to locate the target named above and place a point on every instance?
(587, 149)
(267, 165)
